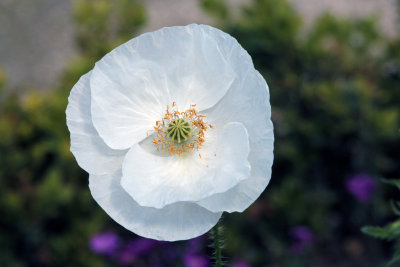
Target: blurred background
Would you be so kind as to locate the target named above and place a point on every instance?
(333, 68)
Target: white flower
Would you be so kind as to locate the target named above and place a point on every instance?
(173, 128)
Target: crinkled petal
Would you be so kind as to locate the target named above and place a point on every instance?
(156, 181)
(247, 102)
(90, 151)
(132, 85)
(178, 221)
(246, 192)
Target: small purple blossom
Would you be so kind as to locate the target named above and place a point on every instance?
(361, 186)
(193, 256)
(105, 243)
(141, 246)
(195, 245)
(241, 263)
(302, 238)
(135, 249)
(170, 253)
(125, 257)
(195, 260)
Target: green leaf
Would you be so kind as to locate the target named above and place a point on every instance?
(216, 7)
(395, 182)
(395, 259)
(2, 78)
(396, 256)
(388, 232)
(395, 207)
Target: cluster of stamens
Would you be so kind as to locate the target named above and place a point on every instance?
(180, 132)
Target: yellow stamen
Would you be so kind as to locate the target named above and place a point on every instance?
(180, 132)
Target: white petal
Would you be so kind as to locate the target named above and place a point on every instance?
(178, 221)
(91, 153)
(247, 102)
(132, 85)
(156, 181)
(194, 61)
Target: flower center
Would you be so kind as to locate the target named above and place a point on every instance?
(180, 132)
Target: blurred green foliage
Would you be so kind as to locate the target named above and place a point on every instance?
(335, 106)
(392, 230)
(103, 24)
(218, 8)
(47, 214)
(335, 99)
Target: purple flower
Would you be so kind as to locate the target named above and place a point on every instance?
(241, 263)
(136, 248)
(361, 186)
(195, 245)
(104, 243)
(302, 238)
(125, 257)
(170, 253)
(194, 260)
(141, 246)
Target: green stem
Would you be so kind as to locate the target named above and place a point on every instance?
(217, 246)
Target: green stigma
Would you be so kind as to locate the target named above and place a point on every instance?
(178, 130)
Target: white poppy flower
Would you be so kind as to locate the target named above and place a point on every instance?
(173, 128)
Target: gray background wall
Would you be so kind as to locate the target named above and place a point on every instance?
(36, 36)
